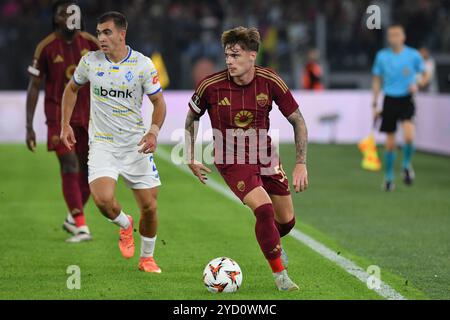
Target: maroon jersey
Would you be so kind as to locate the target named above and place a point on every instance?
(237, 110)
(56, 60)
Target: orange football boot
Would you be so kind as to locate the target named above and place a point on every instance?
(148, 265)
(126, 240)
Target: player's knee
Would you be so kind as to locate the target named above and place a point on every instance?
(68, 163)
(103, 202)
(257, 198)
(149, 209)
(409, 139)
(390, 145)
(285, 228)
(264, 213)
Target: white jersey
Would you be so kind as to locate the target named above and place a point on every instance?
(116, 97)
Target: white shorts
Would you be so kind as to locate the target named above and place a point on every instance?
(137, 169)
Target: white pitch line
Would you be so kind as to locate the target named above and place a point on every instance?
(349, 266)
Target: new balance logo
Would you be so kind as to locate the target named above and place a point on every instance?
(113, 93)
(225, 102)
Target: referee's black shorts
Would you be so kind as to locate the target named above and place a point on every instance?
(394, 110)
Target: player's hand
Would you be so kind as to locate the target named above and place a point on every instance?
(67, 136)
(199, 170)
(300, 177)
(31, 139)
(375, 114)
(413, 88)
(148, 143)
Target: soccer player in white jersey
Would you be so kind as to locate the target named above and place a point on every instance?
(119, 144)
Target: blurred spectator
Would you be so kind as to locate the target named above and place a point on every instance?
(312, 73)
(185, 31)
(201, 69)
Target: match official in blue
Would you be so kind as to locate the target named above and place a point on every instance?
(395, 72)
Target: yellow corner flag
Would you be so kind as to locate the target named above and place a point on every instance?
(368, 148)
(161, 68)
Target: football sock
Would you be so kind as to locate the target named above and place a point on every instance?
(79, 220)
(408, 150)
(72, 196)
(147, 246)
(84, 187)
(83, 229)
(70, 218)
(122, 220)
(389, 159)
(276, 265)
(284, 228)
(268, 236)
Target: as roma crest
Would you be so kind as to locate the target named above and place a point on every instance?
(261, 99)
(241, 186)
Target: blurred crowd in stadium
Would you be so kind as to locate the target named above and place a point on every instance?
(187, 33)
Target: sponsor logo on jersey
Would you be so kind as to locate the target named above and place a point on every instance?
(225, 102)
(112, 93)
(121, 112)
(100, 74)
(243, 118)
(262, 99)
(58, 59)
(130, 62)
(107, 137)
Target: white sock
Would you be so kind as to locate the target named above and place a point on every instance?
(147, 246)
(83, 229)
(70, 218)
(122, 220)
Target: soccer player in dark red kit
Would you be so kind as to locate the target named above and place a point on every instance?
(238, 101)
(55, 60)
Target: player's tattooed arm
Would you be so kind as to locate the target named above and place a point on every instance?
(299, 174)
(191, 128)
(301, 135)
(32, 98)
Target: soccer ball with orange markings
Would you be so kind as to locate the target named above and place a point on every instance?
(222, 275)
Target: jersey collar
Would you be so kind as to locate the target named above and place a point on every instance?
(126, 58)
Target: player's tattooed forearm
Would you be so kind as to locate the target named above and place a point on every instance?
(190, 126)
(301, 135)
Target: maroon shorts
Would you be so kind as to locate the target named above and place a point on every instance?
(243, 178)
(54, 143)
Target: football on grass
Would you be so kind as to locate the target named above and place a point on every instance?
(222, 275)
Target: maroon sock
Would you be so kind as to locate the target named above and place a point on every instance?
(84, 187)
(267, 234)
(72, 195)
(284, 228)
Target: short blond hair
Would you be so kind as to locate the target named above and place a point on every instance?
(248, 38)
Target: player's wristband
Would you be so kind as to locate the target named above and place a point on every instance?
(154, 129)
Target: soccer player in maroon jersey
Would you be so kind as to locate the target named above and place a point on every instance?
(238, 101)
(55, 60)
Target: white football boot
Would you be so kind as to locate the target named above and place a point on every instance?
(283, 282)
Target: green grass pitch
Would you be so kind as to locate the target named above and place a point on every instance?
(405, 233)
